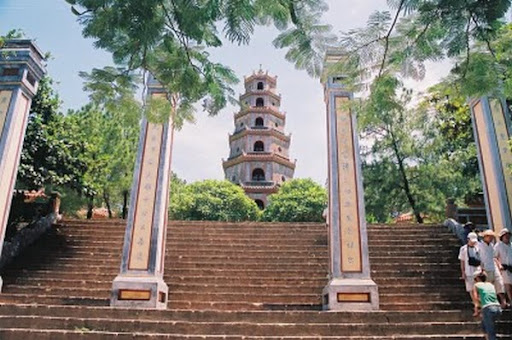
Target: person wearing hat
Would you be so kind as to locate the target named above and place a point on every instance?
(469, 256)
(488, 301)
(503, 255)
(490, 265)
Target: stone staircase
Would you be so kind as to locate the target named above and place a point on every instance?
(238, 281)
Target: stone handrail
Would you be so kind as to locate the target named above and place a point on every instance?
(26, 236)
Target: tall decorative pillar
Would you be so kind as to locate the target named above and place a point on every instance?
(350, 286)
(140, 282)
(21, 68)
(491, 127)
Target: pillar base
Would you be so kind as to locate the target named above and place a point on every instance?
(350, 295)
(139, 292)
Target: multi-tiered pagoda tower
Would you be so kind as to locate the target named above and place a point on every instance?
(259, 158)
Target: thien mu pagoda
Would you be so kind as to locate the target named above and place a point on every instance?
(259, 158)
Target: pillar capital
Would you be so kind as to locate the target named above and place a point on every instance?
(21, 64)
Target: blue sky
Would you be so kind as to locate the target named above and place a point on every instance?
(199, 148)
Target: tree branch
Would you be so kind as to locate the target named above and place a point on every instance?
(468, 47)
(386, 38)
(180, 35)
(487, 41)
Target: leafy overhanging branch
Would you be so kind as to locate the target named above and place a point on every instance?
(170, 38)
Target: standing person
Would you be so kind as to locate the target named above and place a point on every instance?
(469, 257)
(486, 294)
(490, 265)
(503, 254)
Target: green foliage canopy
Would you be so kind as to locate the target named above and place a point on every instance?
(52, 153)
(298, 200)
(211, 200)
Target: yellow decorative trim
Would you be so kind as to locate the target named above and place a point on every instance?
(353, 297)
(139, 295)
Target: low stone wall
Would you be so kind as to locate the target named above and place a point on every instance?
(458, 229)
(24, 237)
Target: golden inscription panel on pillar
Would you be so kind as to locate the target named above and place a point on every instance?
(503, 136)
(350, 237)
(487, 165)
(9, 160)
(146, 198)
(5, 100)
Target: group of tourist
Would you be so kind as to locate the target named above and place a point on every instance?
(486, 268)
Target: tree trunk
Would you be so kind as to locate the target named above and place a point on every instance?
(125, 204)
(405, 180)
(90, 207)
(106, 198)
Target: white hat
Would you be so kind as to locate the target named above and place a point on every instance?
(473, 237)
(503, 232)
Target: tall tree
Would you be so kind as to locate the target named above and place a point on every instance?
(51, 154)
(113, 93)
(411, 158)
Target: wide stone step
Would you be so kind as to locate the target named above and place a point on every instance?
(426, 306)
(386, 297)
(53, 300)
(51, 334)
(236, 241)
(431, 281)
(241, 316)
(87, 252)
(67, 286)
(200, 279)
(446, 272)
(267, 297)
(234, 328)
(114, 266)
(199, 260)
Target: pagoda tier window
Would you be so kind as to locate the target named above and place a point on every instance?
(259, 122)
(260, 86)
(260, 102)
(259, 146)
(258, 175)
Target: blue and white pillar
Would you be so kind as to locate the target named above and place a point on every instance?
(350, 286)
(21, 68)
(491, 128)
(140, 282)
